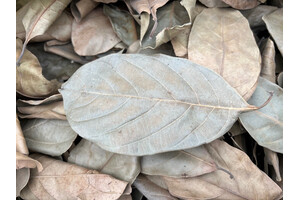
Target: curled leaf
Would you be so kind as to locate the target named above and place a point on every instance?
(214, 3)
(61, 180)
(81, 8)
(29, 75)
(40, 15)
(268, 65)
(122, 23)
(172, 18)
(20, 140)
(242, 4)
(176, 103)
(265, 125)
(51, 137)
(22, 178)
(254, 15)
(23, 161)
(94, 34)
(222, 40)
(272, 159)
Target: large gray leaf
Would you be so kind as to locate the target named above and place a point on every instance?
(274, 23)
(51, 137)
(89, 155)
(222, 40)
(172, 18)
(265, 125)
(189, 163)
(123, 24)
(139, 105)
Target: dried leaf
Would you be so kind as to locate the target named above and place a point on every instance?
(172, 18)
(150, 190)
(189, 163)
(122, 23)
(158, 180)
(268, 61)
(265, 124)
(54, 66)
(94, 34)
(272, 159)
(22, 178)
(23, 161)
(49, 108)
(177, 104)
(180, 41)
(254, 15)
(222, 40)
(248, 181)
(89, 155)
(106, 1)
(280, 79)
(53, 110)
(125, 197)
(51, 137)
(65, 50)
(39, 17)
(214, 3)
(274, 22)
(237, 129)
(61, 180)
(81, 8)
(242, 4)
(20, 140)
(29, 75)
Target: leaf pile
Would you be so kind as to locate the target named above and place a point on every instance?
(144, 99)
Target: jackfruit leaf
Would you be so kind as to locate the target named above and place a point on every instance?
(189, 163)
(274, 22)
(265, 124)
(214, 3)
(81, 8)
(20, 140)
(246, 180)
(172, 18)
(136, 104)
(48, 136)
(254, 15)
(268, 65)
(150, 190)
(122, 23)
(94, 34)
(61, 180)
(89, 155)
(242, 4)
(23, 161)
(222, 40)
(39, 16)
(29, 75)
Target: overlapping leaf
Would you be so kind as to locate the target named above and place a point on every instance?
(51, 137)
(222, 40)
(61, 180)
(144, 105)
(265, 125)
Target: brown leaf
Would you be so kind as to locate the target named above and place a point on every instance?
(61, 180)
(20, 140)
(150, 190)
(94, 34)
(222, 40)
(29, 75)
(268, 61)
(22, 178)
(81, 8)
(25, 161)
(214, 3)
(248, 181)
(54, 110)
(64, 50)
(39, 17)
(242, 4)
(272, 159)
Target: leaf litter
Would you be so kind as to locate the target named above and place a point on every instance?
(144, 99)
